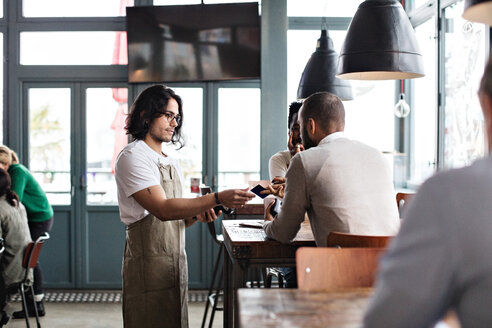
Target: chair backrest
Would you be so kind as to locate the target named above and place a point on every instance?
(31, 253)
(402, 198)
(340, 239)
(330, 269)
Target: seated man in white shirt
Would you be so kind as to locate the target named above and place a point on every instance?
(342, 184)
(278, 165)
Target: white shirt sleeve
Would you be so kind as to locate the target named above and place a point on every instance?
(135, 172)
(277, 165)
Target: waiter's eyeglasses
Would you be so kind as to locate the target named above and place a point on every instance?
(170, 117)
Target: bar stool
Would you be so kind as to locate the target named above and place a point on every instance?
(269, 273)
(214, 292)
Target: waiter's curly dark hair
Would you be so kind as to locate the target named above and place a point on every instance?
(149, 105)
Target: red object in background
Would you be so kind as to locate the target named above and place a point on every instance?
(120, 95)
(195, 185)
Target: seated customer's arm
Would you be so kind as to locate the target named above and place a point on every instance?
(414, 286)
(294, 205)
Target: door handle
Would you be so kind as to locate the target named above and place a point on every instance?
(83, 181)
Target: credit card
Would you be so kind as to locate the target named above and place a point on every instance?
(257, 189)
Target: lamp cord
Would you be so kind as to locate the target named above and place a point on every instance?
(402, 82)
(324, 24)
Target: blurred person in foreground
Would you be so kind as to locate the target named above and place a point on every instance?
(16, 236)
(39, 217)
(342, 184)
(441, 260)
(278, 165)
(150, 184)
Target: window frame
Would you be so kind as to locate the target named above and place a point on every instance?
(418, 16)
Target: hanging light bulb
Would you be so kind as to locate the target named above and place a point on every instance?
(402, 109)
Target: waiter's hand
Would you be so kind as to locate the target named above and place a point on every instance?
(234, 198)
(276, 189)
(208, 216)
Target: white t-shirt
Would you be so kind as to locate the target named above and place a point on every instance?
(137, 168)
(279, 163)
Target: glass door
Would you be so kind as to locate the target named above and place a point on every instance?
(107, 109)
(75, 131)
(48, 148)
(101, 120)
(49, 141)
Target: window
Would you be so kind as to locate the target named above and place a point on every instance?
(369, 117)
(74, 8)
(71, 48)
(316, 8)
(423, 142)
(176, 2)
(196, 2)
(106, 137)
(49, 141)
(418, 3)
(238, 136)
(464, 63)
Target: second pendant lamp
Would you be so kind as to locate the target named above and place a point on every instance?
(380, 44)
(319, 73)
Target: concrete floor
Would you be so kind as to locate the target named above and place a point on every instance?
(96, 315)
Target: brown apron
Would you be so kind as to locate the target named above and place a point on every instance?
(155, 271)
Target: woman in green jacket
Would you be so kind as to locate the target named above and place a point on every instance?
(39, 214)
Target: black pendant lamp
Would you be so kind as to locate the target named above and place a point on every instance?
(380, 44)
(320, 70)
(479, 11)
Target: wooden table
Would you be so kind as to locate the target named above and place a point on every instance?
(295, 308)
(250, 247)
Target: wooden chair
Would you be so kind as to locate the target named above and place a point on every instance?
(340, 239)
(31, 255)
(402, 198)
(331, 269)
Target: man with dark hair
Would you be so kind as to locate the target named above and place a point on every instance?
(440, 260)
(279, 163)
(155, 274)
(342, 184)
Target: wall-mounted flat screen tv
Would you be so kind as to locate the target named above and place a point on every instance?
(208, 42)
